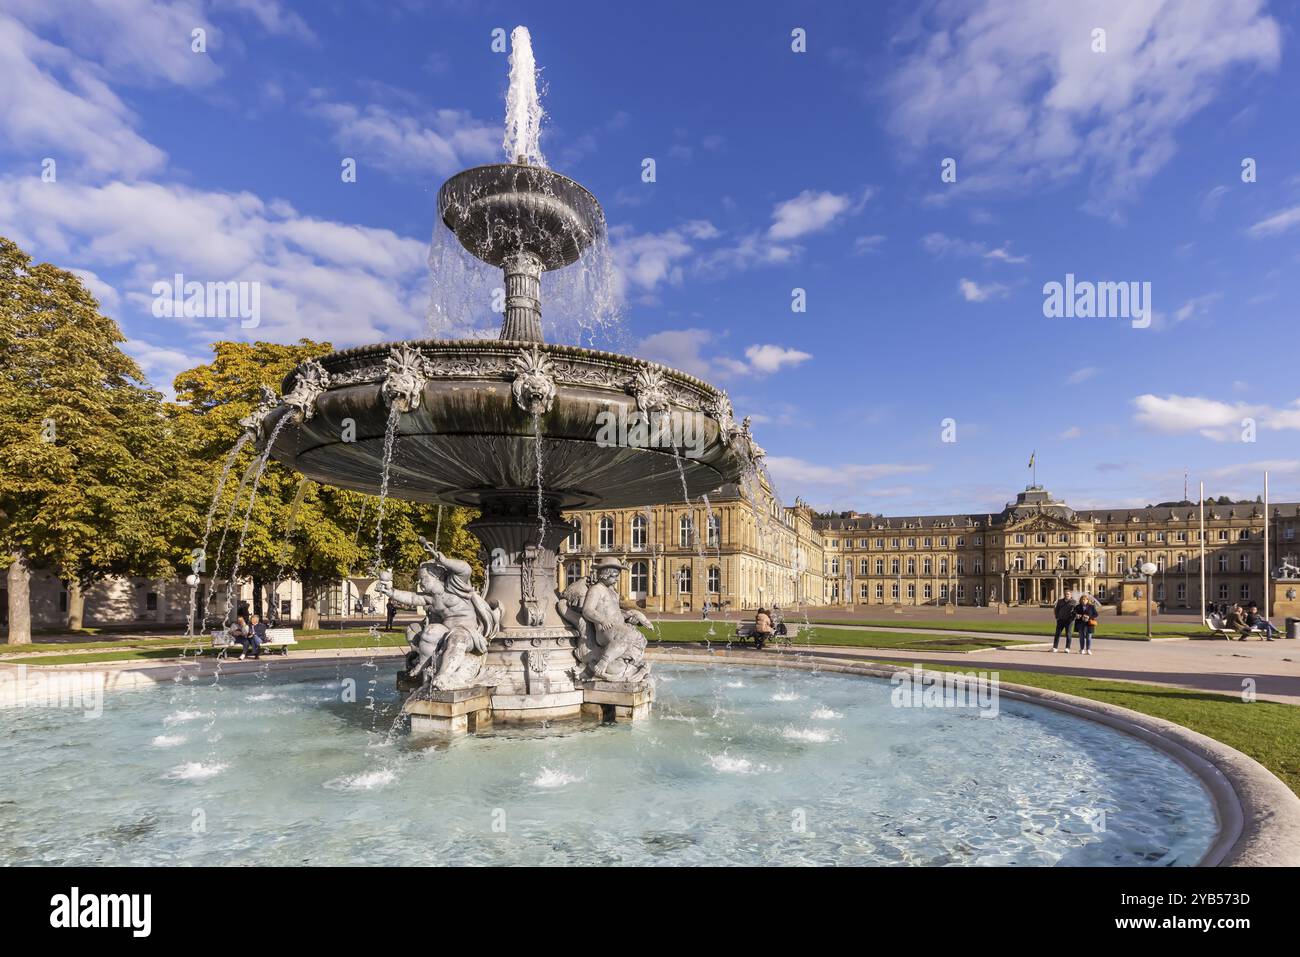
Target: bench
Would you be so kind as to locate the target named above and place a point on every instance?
(276, 638)
(745, 630)
(1219, 627)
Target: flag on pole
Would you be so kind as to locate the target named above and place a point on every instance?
(1031, 459)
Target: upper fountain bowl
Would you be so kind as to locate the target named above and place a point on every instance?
(496, 211)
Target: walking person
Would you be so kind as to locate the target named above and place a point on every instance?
(1085, 622)
(1064, 611)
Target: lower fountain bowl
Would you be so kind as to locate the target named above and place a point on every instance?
(467, 440)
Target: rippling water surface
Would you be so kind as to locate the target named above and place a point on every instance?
(737, 766)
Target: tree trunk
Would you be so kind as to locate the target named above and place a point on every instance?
(310, 608)
(258, 586)
(76, 605)
(20, 600)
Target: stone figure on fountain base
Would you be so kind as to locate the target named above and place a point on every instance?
(610, 648)
(448, 649)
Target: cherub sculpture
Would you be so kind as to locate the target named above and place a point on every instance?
(449, 647)
(610, 648)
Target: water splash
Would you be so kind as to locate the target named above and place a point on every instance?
(390, 435)
(248, 512)
(541, 504)
(523, 103)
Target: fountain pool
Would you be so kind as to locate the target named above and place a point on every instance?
(278, 768)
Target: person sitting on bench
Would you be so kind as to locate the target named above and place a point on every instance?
(1256, 621)
(763, 629)
(1236, 621)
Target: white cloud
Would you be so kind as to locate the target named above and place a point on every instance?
(1079, 376)
(1013, 90)
(439, 143)
(975, 292)
(1279, 222)
(770, 358)
(52, 100)
(809, 212)
(940, 245)
(1179, 413)
(867, 244)
(326, 280)
(1073, 432)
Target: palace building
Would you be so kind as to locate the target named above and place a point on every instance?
(737, 551)
(1038, 547)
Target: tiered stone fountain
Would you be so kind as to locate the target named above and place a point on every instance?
(512, 427)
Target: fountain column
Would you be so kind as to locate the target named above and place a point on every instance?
(523, 272)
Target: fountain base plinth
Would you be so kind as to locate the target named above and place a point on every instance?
(462, 711)
(617, 701)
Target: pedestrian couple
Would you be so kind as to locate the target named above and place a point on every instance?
(1080, 615)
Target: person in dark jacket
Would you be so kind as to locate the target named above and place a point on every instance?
(1064, 611)
(1236, 621)
(1256, 621)
(1085, 622)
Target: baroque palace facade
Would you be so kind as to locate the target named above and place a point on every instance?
(1038, 547)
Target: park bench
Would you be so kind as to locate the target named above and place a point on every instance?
(276, 639)
(785, 633)
(1220, 628)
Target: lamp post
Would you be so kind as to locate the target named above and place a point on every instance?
(1148, 569)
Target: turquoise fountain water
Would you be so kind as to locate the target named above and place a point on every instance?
(789, 768)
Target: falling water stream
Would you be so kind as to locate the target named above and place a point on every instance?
(233, 581)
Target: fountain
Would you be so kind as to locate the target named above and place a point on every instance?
(512, 427)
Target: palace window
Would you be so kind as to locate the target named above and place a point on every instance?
(911, 566)
(572, 572)
(835, 566)
(1182, 563)
(606, 534)
(1243, 535)
(1245, 592)
(929, 543)
(927, 592)
(1121, 538)
(640, 578)
(1121, 564)
(894, 543)
(1020, 539)
(715, 531)
(1141, 536)
(1223, 563)
(880, 566)
(893, 566)
(927, 566)
(1160, 591)
(1062, 561)
(1160, 536)
(943, 566)
(961, 591)
(979, 540)
(684, 580)
(1019, 563)
(1040, 539)
(1224, 591)
(685, 531)
(715, 579)
(862, 591)
(943, 541)
(862, 543)
(880, 592)
(1063, 538)
(1245, 561)
(575, 538)
(911, 543)
(1101, 592)
(1040, 563)
(1181, 537)
(1101, 538)
(1182, 591)
(911, 593)
(880, 543)
(638, 532)
(862, 567)
(893, 591)
(1223, 534)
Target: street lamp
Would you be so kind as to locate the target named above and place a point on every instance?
(1148, 569)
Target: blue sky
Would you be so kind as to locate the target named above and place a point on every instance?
(775, 170)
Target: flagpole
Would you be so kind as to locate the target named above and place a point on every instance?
(1203, 602)
(1266, 583)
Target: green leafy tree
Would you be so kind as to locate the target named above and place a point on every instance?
(318, 535)
(86, 443)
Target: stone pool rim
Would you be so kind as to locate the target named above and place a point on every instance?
(1258, 815)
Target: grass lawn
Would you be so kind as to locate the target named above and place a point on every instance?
(1267, 731)
(689, 631)
(1108, 628)
(148, 649)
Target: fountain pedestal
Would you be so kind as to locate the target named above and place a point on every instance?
(464, 710)
(617, 701)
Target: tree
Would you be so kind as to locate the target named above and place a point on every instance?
(313, 533)
(86, 441)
